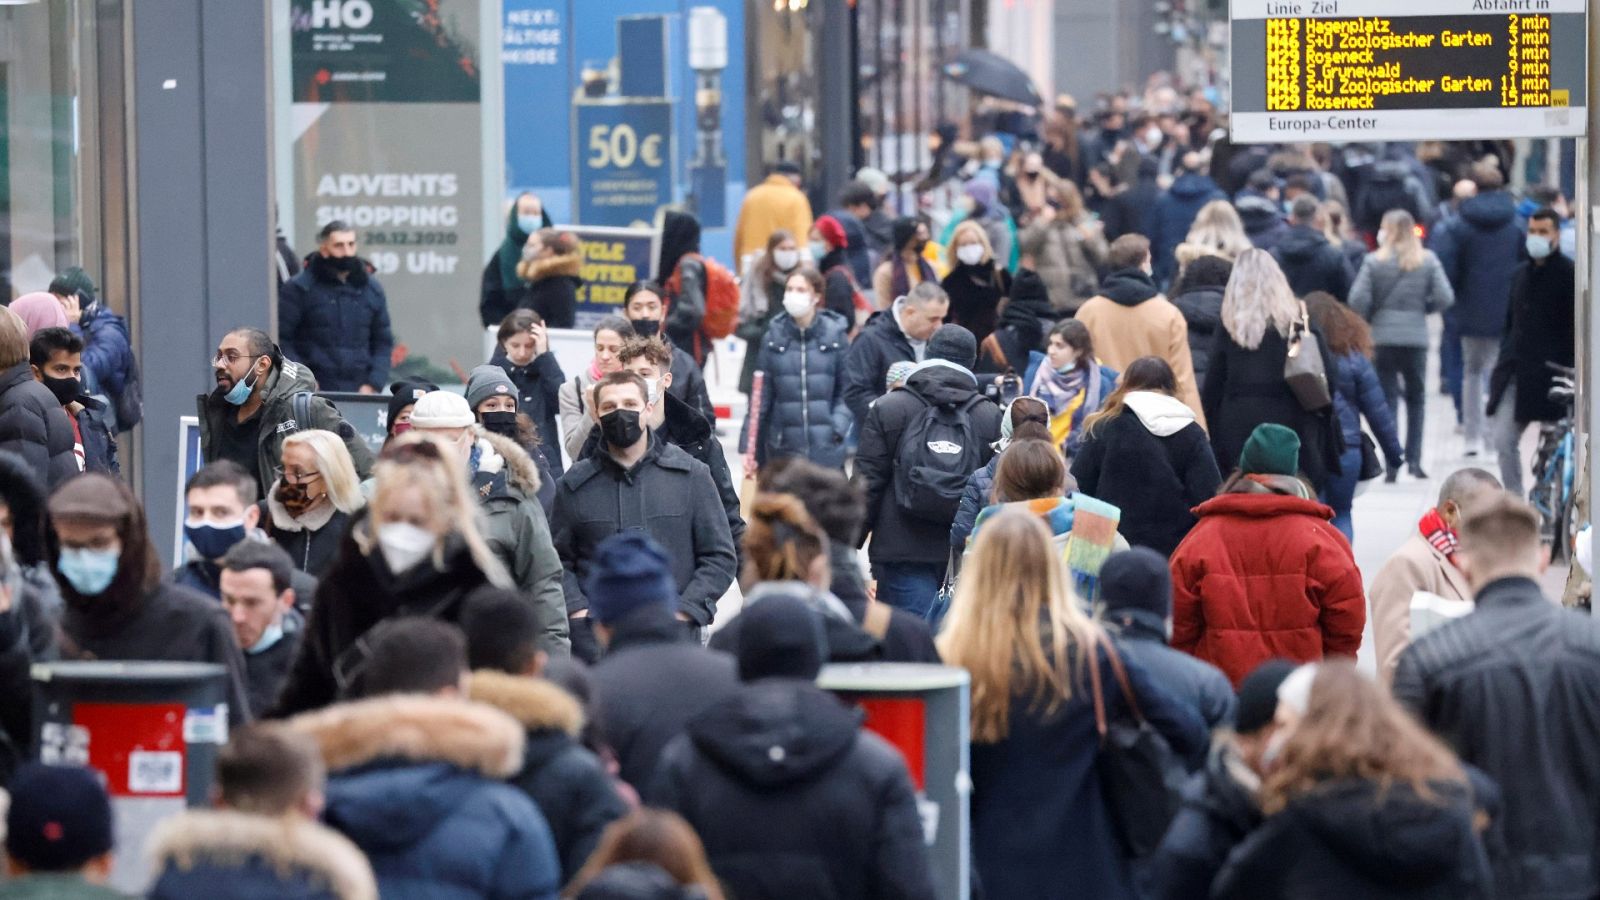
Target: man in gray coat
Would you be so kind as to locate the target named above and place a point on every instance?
(640, 482)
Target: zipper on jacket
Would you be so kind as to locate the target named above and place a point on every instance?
(805, 394)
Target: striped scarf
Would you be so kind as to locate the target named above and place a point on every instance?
(1439, 535)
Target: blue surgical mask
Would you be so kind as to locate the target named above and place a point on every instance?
(1538, 246)
(269, 637)
(212, 541)
(239, 394)
(89, 571)
(529, 224)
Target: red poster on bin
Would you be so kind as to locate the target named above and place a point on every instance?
(139, 747)
(903, 723)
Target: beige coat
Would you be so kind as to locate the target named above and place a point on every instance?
(1154, 327)
(1416, 566)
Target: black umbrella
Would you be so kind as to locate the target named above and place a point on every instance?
(989, 73)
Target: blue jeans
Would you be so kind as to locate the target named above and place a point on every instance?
(910, 586)
(1450, 365)
(1339, 491)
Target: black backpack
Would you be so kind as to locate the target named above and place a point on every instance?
(937, 451)
(1387, 186)
(129, 405)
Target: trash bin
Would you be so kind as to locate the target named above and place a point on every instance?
(151, 729)
(922, 710)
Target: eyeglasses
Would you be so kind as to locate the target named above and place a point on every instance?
(227, 357)
(301, 477)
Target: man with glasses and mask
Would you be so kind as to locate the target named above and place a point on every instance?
(334, 317)
(259, 399)
(638, 481)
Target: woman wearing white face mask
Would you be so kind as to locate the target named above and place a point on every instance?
(802, 393)
(976, 284)
(415, 551)
(761, 294)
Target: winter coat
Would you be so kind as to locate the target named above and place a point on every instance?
(793, 799)
(276, 420)
(1202, 312)
(569, 783)
(417, 783)
(1356, 838)
(652, 680)
(1245, 388)
(538, 397)
(1397, 303)
(553, 288)
(1262, 219)
(974, 497)
(1191, 681)
(1068, 261)
(19, 627)
(1153, 462)
(897, 535)
(573, 402)
(107, 355)
(266, 670)
(879, 345)
(359, 592)
(686, 308)
(670, 495)
(312, 541)
(55, 886)
(760, 298)
(975, 296)
(1480, 251)
(1416, 566)
(34, 426)
(1066, 848)
(229, 855)
(1218, 812)
(1020, 331)
(1311, 263)
(99, 444)
(1357, 395)
(1131, 319)
(689, 385)
(905, 637)
(773, 204)
(514, 526)
(496, 299)
(1174, 215)
(803, 413)
(340, 329)
(1265, 576)
(1539, 329)
(845, 638)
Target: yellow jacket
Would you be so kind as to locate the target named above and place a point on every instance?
(773, 204)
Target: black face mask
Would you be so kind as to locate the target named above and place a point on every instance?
(501, 423)
(65, 390)
(647, 328)
(621, 427)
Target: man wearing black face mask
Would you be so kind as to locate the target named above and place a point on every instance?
(334, 317)
(643, 306)
(640, 482)
(57, 358)
(221, 511)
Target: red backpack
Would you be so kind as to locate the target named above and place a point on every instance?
(722, 296)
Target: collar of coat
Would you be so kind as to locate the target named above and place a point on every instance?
(569, 264)
(660, 453)
(522, 473)
(288, 844)
(538, 704)
(416, 729)
(283, 520)
(1262, 506)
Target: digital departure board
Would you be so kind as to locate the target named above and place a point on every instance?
(1354, 70)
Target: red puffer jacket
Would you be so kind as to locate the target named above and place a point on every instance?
(1263, 576)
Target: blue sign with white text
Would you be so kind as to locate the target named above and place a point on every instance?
(622, 151)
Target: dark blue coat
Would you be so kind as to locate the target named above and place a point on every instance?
(538, 386)
(802, 396)
(226, 855)
(1187, 678)
(340, 330)
(1357, 393)
(1480, 250)
(1218, 812)
(1313, 263)
(107, 356)
(1174, 214)
(980, 485)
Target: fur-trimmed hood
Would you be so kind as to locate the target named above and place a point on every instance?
(538, 704)
(567, 264)
(291, 847)
(416, 729)
(522, 473)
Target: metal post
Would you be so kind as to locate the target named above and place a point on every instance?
(1588, 255)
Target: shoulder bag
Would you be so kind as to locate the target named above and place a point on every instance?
(1140, 778)
(1304, 369)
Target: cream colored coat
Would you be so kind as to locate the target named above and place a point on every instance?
(1155, 327)
(1416, 566)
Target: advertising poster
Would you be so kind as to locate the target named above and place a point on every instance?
(388, 137)
(652, 110)
(613, 258)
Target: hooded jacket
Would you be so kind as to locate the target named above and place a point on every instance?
(1154, 463)
(1174, 215)
(1020, 330)
(1480, 250)
(1201, 685)
(107, 355)
(340, 329)
(1263, 576)
(847, 641)
(569, 784)
(793, 799)
(1354, 838)
(506, 483)
(538, 397)
(1202, 312)
(416, 783)
(1262, 220)
(898, 536)
(803, 412)
(553, 288)
(34, 425)
(1217, 812)
(879, 345)
(234, 855)
(1312, 263)
(1131, 319)
(277, 421)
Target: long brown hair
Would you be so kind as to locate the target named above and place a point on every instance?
(1147, 373)
(1029, 470)
(655, 836)
(1352, 728)
(1343, 330)
(782, 541)
(1012, 600)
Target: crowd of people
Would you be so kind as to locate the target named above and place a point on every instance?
(1098, 445)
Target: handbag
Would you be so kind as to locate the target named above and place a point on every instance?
(947, 591)
(1371, 464)
(1140, 777)
(1303, 367)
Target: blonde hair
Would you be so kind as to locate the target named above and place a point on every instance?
(1067, 195)
(965, 228)
(13, 339)
(334, 463)
(1218, 228)
(1257, 296)
(1397, 240)
(1012, 599)
(416, 460)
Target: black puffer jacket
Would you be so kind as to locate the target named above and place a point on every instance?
(793, 799)
(803, 413)
(1312, 263)
(34, 426)
(878, 345)
(1202, 311)
(538, 397)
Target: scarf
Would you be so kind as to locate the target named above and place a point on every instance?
(594, 371)
(1070, 398)
(1090, 529)
(1439, 535)
(1285, 485)
(900, 280)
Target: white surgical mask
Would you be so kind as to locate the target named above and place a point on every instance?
(786, 259)
(796, 303)
(1538, 246)
(404, 545)
(971, 254)
(1152, 136)
(653, 385)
